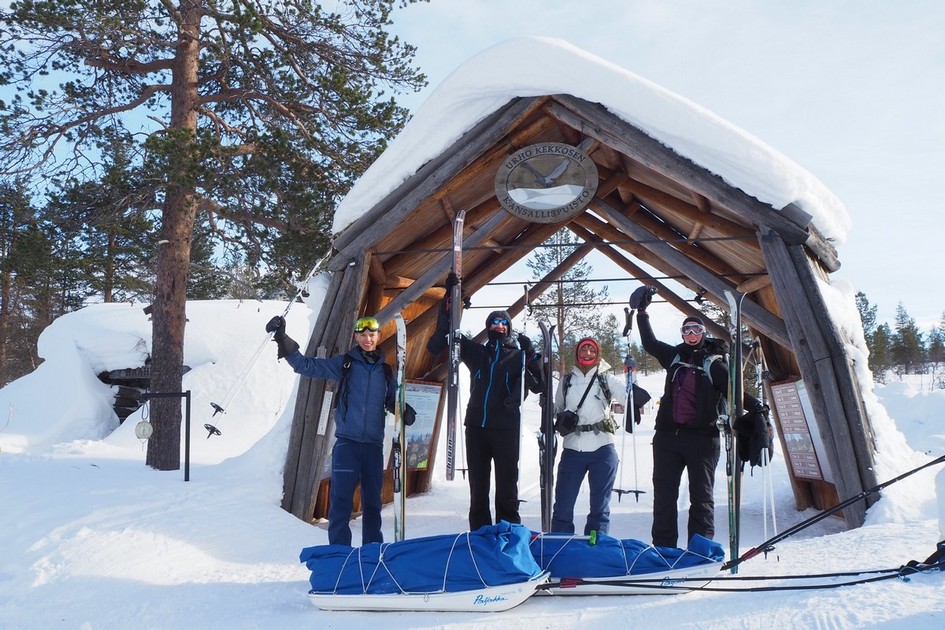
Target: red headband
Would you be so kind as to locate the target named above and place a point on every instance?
(587, 341)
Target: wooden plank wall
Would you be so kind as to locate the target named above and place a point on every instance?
(308, 441)
(803, 313)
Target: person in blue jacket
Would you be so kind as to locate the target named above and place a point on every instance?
(367, 388)
(493, 414)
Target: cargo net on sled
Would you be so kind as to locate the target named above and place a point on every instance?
(494, 555)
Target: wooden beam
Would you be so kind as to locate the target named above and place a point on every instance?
(430, 178)
(813, 356)
(596, 121)
(753, 284)
(686, 210)
(580, 252)
(637, 272)
(696, 252)
(300, 442)
(376, 270)
(848, 394)
(754, 314)
(439, 268)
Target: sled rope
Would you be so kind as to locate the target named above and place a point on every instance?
(935, 563)
(472, 557)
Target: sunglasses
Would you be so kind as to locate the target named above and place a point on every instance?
(693, 329)
(366, 323)
(498, 321)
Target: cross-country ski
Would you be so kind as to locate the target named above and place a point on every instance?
(400, 436)
(547, 440)
(455, 319)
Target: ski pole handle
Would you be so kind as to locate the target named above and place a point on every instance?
(629, 325)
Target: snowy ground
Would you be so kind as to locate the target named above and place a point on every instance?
(94, 539)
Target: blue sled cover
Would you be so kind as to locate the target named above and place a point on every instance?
(568, 556)
(493, 555)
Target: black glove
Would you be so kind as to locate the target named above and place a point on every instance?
(276, 325)
(451, 281)
(410, 415)
(641, 297)
(285, 343)
(526, 345)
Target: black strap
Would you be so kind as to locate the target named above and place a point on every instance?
(589, 383)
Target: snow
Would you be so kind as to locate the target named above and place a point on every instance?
(534, 66)
(93, 538)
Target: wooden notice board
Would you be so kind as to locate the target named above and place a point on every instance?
(800, 442)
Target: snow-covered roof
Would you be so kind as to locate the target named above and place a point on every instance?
(535, 66)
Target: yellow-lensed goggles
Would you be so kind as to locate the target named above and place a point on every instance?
(366, 323)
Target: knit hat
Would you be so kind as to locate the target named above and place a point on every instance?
(587, 341)
(494, 315)
(692, 319)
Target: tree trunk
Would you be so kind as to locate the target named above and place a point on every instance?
(180, 206)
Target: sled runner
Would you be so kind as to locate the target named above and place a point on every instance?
(488, 599)
(488, 570)
(609, 566)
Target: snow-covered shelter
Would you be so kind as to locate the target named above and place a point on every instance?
(533, 136)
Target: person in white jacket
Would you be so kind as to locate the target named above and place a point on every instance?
(588, 439)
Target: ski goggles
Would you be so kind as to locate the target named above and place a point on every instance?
(499, 321)
(366, 323)
(692, 329)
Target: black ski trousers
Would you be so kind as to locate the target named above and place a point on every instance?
(675, 450)
(485, 447)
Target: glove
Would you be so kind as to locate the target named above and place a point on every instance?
(276, 325)
(410, 415)
(641, 297)
(526, 345)
(451, 281)
(285, 344)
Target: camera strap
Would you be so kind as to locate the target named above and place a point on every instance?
(586, 391)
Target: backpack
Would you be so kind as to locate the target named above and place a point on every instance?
(715, 349)
(601, 380)
(607, 424)
(755, 433)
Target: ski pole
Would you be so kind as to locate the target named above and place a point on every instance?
(629, 414)
(768, 545)
(238, 384)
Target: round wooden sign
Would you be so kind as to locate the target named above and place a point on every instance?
(547, 182)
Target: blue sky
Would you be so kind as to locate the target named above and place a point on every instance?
(853, 91)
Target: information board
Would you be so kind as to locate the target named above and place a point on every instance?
(798, 438)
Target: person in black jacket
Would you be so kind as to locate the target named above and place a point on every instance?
(687, 434)
(493, 414)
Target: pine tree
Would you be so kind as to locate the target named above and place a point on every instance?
(908, 348)
(612, 346)
(936, 354)
(109, 221)
(258, 115)
(880, 360)
(867, 315)
(571, 302)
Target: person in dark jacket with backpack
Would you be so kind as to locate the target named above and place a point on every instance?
(493, 414)
(687, 434)
(367, 389)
